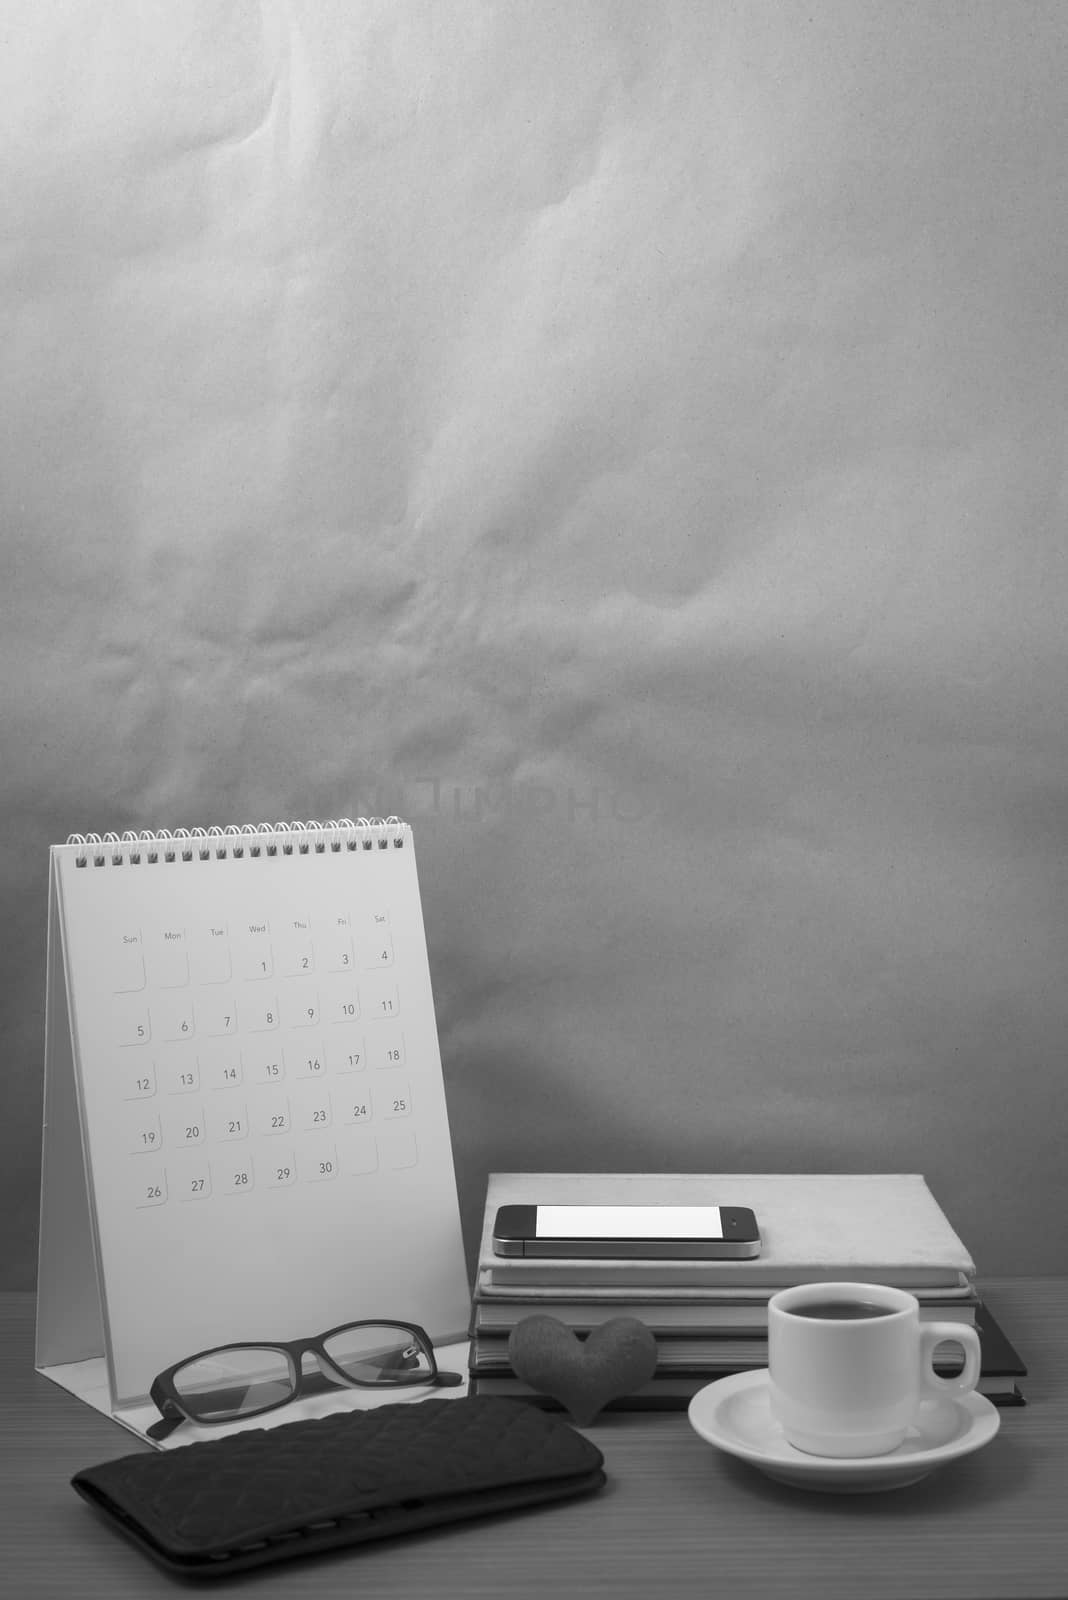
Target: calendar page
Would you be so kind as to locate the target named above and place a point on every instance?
(262, 1109)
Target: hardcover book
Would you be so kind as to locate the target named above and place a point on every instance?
(687, 1364)
(873, 1227)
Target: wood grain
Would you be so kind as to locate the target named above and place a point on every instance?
(677, 1518)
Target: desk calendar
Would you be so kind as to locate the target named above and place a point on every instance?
(246, 1133)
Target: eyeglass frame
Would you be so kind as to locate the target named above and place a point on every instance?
(167, 1401)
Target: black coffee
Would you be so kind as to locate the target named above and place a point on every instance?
(841, 1310)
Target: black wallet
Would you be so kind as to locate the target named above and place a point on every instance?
(209, 1509)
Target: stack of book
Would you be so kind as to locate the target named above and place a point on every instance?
(710, 1318)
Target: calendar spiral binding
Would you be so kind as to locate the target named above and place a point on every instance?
(236, 842)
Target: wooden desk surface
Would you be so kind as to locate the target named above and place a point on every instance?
(677, 1517)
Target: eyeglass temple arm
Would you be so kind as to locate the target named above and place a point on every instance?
(172, 1418)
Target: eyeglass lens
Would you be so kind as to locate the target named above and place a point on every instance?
(377, 1353)
(232, 1382)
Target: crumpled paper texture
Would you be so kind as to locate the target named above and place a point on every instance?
(626, 440)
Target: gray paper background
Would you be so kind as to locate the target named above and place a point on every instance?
(627, 440)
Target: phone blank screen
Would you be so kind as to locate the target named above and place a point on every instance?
(628, 1222)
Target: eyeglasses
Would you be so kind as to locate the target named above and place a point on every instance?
(235, 1381)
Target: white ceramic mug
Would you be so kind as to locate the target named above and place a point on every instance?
(852, 1387)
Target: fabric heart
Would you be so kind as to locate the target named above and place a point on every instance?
(616, 1358)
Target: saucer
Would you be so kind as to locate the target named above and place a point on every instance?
(734, 1414)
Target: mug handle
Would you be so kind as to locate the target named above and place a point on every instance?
(936, 1333)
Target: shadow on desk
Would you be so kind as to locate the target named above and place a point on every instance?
(969, 1484)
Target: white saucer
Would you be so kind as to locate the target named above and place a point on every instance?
(735, 1415)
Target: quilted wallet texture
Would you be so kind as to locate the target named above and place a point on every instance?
(209, 1509)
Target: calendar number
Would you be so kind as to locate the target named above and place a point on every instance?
(270, 1116)
(172, 1016)
(131, 1027)
(295, 955)
(145, 1135)
(191, 1175)
(381, 1000)
(177, 1070)
(148, 1189)
(317, 1162)
(220, 1064)
(336, 947)
(281, 1172)
(238, 1178)
(376, 951)
(340, 1002)
(215, 1015)
(300, 1007)
(345, 1050)
(254, 953)
(398, 1100)
(265, 1068)
(257, 1012)
(312, 1061)
(246, 1031)
(227, 1120)
(386, 1048)
(139, 1083)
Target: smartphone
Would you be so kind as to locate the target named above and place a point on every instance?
(619, 1232)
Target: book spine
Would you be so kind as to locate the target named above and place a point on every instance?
(662, 1396)
(651, 1277)
(687, 1316)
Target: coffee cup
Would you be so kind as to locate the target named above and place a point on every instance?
(850, 1364)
